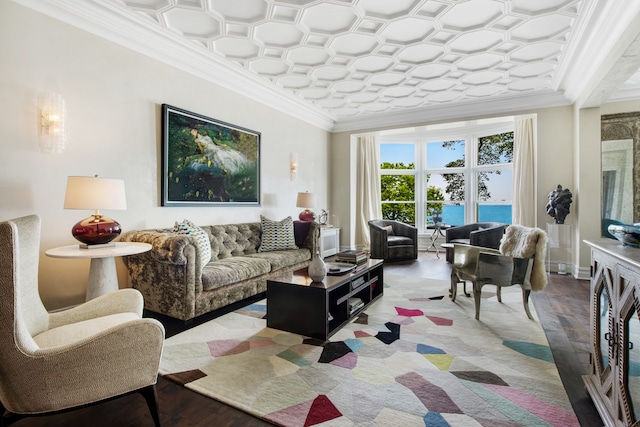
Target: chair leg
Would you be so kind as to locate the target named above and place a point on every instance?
(151, 396)
(477, 290)
(525, 300)
(464, 289)
(499, 293)
(454, 286)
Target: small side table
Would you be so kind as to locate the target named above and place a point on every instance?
(437, 233)
(329, 241)
(103, 276)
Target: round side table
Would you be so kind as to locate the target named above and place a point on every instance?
(103, 276)
(437, 233)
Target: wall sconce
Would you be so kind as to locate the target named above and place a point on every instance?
(52, 120)
(293, 166)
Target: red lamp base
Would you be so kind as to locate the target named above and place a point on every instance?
(96, 230)
(307, 215)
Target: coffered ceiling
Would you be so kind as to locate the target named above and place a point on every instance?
(341, 64)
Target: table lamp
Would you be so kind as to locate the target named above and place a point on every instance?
(306, 200)
(86, 192)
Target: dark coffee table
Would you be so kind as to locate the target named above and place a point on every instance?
(319, 309)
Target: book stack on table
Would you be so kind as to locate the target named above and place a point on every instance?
(352, 256)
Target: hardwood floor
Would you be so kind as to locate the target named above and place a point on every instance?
(562, 310)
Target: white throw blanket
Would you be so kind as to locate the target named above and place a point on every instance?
(524, 242)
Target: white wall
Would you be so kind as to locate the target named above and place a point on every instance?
(114, 98)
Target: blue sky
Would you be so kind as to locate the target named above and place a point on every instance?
(500, 186)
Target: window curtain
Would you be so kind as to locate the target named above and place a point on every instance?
(524, 141)
(368, 196)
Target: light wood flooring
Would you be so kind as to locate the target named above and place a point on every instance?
(562, 309)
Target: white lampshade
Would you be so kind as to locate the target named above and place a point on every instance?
(306, 200)
(95, 193)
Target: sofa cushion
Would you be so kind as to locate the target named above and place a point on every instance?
(234, 239)
(282, 259)
(277, 235)
(232, 270)
(202, 239)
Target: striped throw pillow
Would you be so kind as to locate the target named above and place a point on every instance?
(202, 240)
(277, 235)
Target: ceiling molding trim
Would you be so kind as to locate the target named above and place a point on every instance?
(141, 37)
(460, 111)
(625, 95)
(607, 22)
(574, 47)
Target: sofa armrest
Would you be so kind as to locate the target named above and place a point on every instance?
(312, 239)
(165, 246)
(169, 275)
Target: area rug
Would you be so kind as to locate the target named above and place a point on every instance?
(413, 358)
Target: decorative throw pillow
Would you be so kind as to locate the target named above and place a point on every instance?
(277, 235)
(202, 240)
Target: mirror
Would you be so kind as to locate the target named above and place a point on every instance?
(620, 136)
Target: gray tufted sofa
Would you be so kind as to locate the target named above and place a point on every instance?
(174, 283)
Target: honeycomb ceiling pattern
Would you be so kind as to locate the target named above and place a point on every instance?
(358, 57)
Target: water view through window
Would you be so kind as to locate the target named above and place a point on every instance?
(429, 182)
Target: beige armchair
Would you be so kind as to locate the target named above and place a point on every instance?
(519, 261)
(52, 362)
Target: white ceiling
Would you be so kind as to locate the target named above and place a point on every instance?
(344, 64)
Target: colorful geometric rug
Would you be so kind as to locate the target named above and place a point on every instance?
(413, 358)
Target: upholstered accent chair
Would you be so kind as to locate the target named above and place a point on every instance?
(393, 240)
(520, 260)
(485, 234)
(53, 362)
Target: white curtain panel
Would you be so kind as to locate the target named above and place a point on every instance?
(368, 196)
(524, 203)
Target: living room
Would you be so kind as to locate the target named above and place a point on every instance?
(114, 96)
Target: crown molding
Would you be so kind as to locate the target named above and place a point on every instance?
(599, 34)
(108, 21)
(509, 105)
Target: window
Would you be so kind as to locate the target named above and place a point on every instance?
(398, 182)
(453, 175)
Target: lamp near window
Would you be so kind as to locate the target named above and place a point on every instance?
(85, 192)
(306, 200)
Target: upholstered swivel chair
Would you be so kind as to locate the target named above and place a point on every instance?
(393, 240)
(485, 234)
(52, 362)
(519, 261)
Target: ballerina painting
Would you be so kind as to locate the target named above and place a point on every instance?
(208, 162)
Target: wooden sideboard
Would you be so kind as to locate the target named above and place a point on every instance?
(614, 381)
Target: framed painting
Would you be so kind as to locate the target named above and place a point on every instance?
(206, 162)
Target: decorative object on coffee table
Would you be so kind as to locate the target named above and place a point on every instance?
(317, 268)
